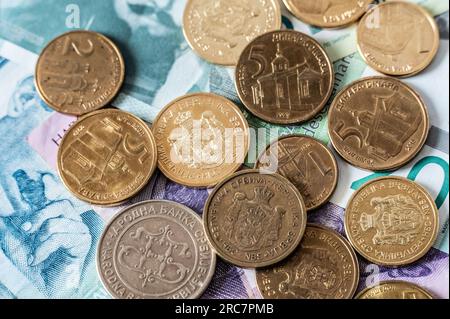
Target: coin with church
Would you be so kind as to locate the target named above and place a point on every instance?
(106, 157)
(324, 266)
(304, 161)
(254, 220)
(391, 221)
(284, 77)
(394, 289)
(378, 123)
(153, 250)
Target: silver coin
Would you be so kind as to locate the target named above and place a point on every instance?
(155, 249)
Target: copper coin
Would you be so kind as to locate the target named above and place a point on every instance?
(324, 266)
(306, 163)
(398, 38)
(79, 72)
(202, 138)
(394, 290)
(391, 221)
(254, 220)
(378, 123)
(284, 77)
(328, 14)
(219, 30)
(153, 250)
(107, 156)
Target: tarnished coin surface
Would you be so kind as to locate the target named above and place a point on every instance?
(307, 163)
(398, 38)
(155, 250)
(394, 290)
(254, 220)
(219, 30)
(391, 221)
(79, 72)
(324, 266)
(378, 123)
(284, 77)
(107, 156)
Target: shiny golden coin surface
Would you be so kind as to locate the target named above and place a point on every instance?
(153, 250)
(202, 138)
(378, 123)
(107, 156)
(324, 266)
(391, 221)
(219, 30)
(328, 14)
(398, 38)
(284, 77)
(254, 220)
(394, 290)
(306, 163)
(79, 72)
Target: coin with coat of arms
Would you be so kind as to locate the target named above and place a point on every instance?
(394, 290)
(153, 250)
(254, 220)
(391, 221)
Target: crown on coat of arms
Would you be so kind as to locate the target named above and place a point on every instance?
(183, 117)
(263, 194)
(366, 221)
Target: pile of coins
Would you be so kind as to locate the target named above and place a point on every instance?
(253, 218)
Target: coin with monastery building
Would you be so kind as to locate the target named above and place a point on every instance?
(394, 290)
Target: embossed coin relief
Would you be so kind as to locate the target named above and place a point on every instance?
(323, 266)
(219, 30)
(391, 221)
(107, 156)
(394, 290)
(378, 123)
(284, 77)
(155, 249)
(79, 72)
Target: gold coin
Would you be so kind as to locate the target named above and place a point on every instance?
(202, 138)
(324, 266)
(398, 38)
(394, 290)
(327, 14)
(219, 30)
(378, 123)
(106, 157)
(254, 220)
(391, 221)
(79, 72)
(306, 163)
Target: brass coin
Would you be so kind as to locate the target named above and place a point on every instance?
(284, 77)
(324, 266)
(202, 138)
(378, 123)
(328, 14)
(219, 30)
(106, 157)
(254, 220)
(394, 290)
(306, 163)
(155, 249)
(391, 221)
(398, 38)
(79, 72)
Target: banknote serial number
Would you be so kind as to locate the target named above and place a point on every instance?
(226, 309)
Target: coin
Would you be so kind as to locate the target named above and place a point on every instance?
(79, 72)
(202, 138)
(378, 123)
(219, 30)
(398, 38)
(284, 77)
(394, 290)
(306, 163)
(155, 249)
(328, 14)
(391, 221)
(106, 157)
(324, 266)
(254, 220)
